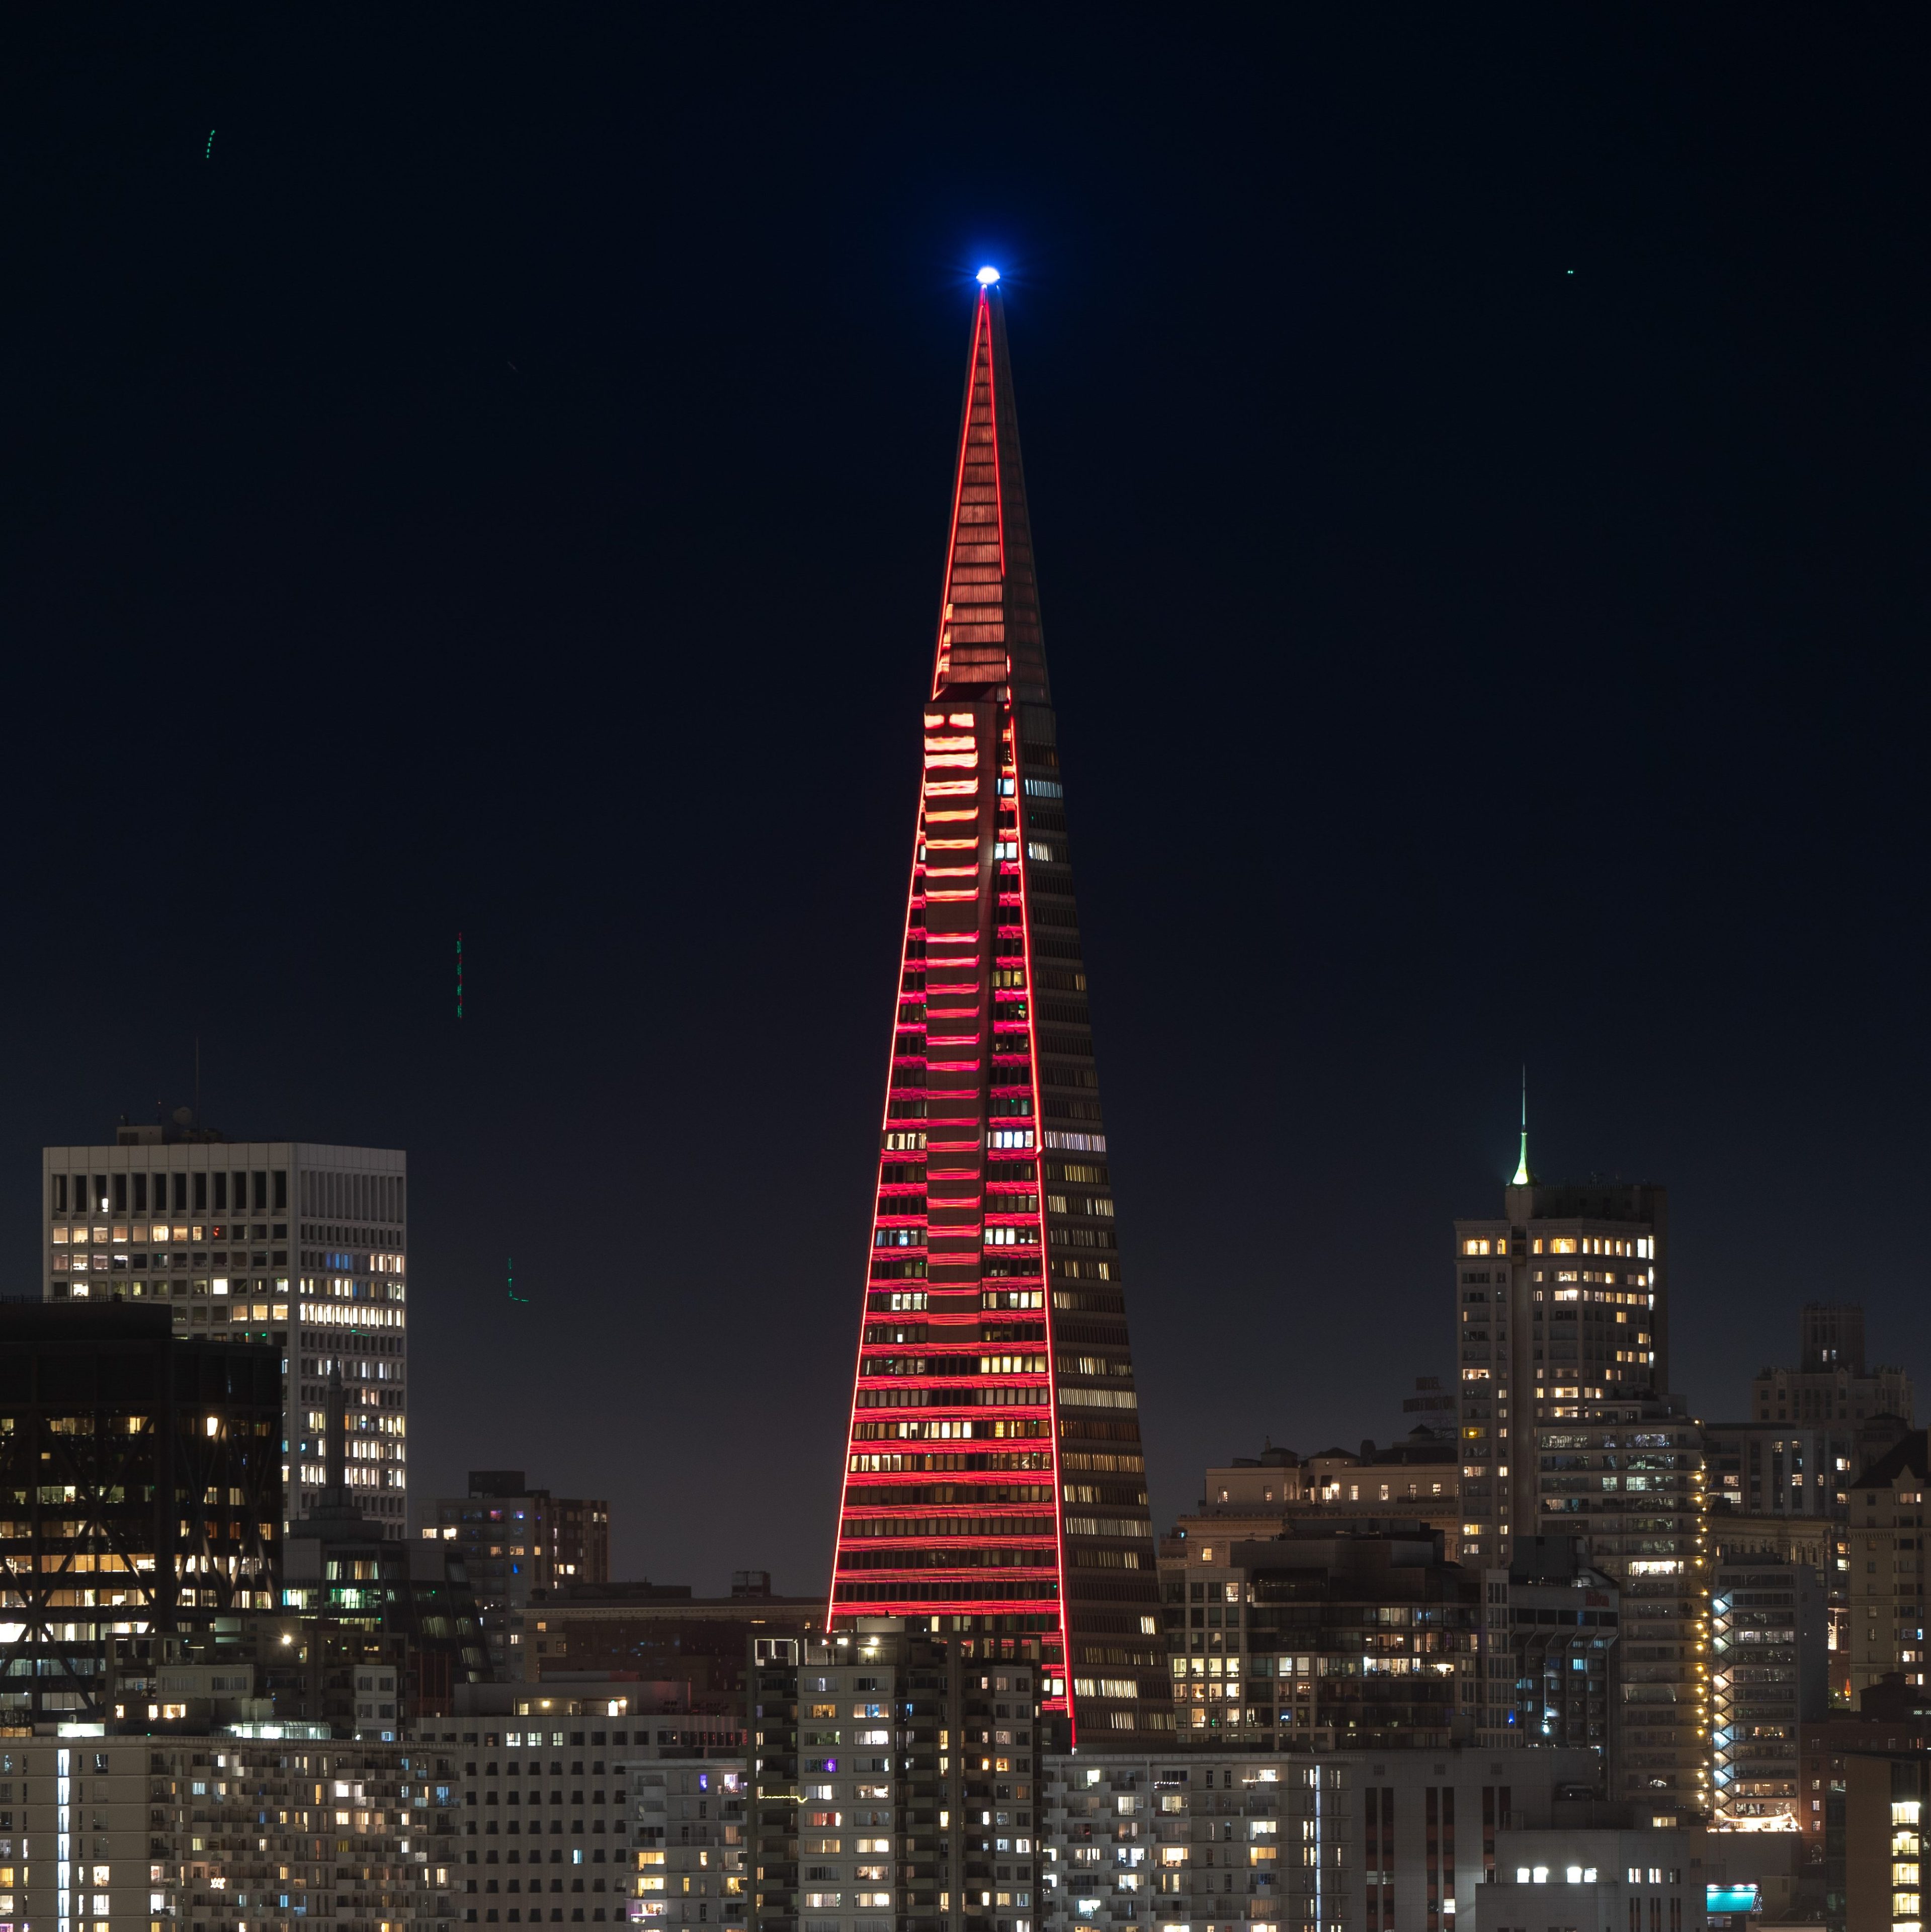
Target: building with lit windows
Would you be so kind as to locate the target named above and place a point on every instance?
(1212, 1841)
(1625, 1481)
(994, 1480)
(1549, 1669)
(1418, 1478)
(689, 1819)
(1325, 1637)
(1832, 1383)
(1887, 1572)
(1887, 1804)
(895, 1780)
(1563, 1300)
(1768, 1680)
(514, 1540)
(142, 1471)
(301, 1246)
(255, 1826)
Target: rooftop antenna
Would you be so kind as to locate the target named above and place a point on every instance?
(1524, 1178)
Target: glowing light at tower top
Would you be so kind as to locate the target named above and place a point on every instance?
(988, 276)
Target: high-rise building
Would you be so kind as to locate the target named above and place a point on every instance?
(1888, 1570)
(299, 1246)
(1832, 1383)
(1568, 1429)
(1562, 1300)
(1214, 1841)
(1767, 1632)
(1325, 1637)
(1625, 1481)
(412, 1601)
(690, 1859)
(142, 1476)
(179, 1831)
(514, 1539)
(1550, 1663)
(894, 1780)
(995, 1483)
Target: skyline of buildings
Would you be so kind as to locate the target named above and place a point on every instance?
(1564, 1619)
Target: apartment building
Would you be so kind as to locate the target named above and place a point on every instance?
(262, 1826)
(1625, 1479)
(690, 1826)
(1887, 1574)
(514, 1541)
(893, 1779)
(1769, 1680)
(1418, 1478)
(1550, 1627)
(1211, 1841)
(1563, 1300)
(301, 1247)
(1323, 1638)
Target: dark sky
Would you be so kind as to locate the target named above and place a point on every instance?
(1478, 469)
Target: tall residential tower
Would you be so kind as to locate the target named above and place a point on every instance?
(995, 1485)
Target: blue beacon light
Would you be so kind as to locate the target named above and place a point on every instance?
(986, 277)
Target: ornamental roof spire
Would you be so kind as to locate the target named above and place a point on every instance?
(989, 616)
(1524, 1177)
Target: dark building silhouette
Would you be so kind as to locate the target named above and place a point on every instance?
(516, 1541)
(141, 1477)
(1329, 1636)
(994, 1479)
(409, 1602)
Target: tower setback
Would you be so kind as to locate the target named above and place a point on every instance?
(994, 1482)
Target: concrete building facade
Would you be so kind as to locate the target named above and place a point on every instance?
(1328, 1636)
(1627, 1479)
(255, 1826)
(1832, 1382)
(1769, 1679)
(1398, 1841)
(513, 1540)
(302, 1246)
(1563, 1299)
(1887, 1575)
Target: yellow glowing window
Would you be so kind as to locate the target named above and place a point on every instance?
(1562, 1244)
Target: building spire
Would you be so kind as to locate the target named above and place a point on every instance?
(989, 619)
(1524, 1178)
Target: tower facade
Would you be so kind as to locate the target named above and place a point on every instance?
(1561, 1302)
(300, 1246)
(995, 1484)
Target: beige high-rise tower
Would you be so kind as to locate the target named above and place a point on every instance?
(1568, 1429)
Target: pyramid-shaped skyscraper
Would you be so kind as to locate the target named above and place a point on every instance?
(995, 1480)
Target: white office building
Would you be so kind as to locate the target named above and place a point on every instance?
(300, 1246)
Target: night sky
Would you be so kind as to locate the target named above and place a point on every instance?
(1477, 465)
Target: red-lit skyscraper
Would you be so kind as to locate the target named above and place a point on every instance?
(995, 1485)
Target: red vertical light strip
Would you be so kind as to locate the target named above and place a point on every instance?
(1045, 1246)
(865, 1302)
(998, 482)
